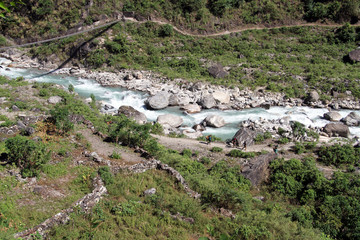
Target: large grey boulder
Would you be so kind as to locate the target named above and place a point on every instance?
(192, 134)
(132, 113)
(332, 116)
(217, 71)
(257, 169)
(172, 120)
(159, 101)
(336, 130)
(54, 99)
(214, 121)
(352, 119)
(207, 101)
(191, 108)
(313, 96)
(245, 135)
(355, 55)
(221, 97)
(176, 100)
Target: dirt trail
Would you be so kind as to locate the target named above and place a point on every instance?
(105, 149)
(162, 22)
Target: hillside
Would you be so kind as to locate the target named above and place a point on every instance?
(71, 169)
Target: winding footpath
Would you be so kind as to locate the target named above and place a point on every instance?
(160, 22)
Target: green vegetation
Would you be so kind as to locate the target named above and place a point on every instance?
(241, 154)
(27, 155)
(329, 205)
(339, 154)
(216, 149)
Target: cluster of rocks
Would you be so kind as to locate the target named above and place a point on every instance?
(23, 124)
(351, 120)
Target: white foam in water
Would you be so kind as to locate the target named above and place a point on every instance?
(119, 96)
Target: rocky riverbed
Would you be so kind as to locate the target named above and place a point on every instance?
(179, 92)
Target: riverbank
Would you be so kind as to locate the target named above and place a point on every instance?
(181, 92)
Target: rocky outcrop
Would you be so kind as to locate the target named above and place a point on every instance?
(214, 121)
(332, 116)
(355, 55)
(159, 101)
(336, 130)
(132, 113)
(221, 97)
(352, 119)
(149, 192)
(191, 108)
(178, 99)
(173, 120)
(245, 135)
(207, 101)
(257, 169)
(217, 71)
(84, 204)
(313, 96)
(54, 99)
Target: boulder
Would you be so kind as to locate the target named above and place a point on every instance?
(217, 71)
(207, 101)
(313, 96)
(245, 135)
(336, 130)
(332, 116)
(221, 97)
(352, 119)
(15, 108)
(132, 113)
(159, 101)
(29, 131)
(214, 121)
(257, 169)
(192, 134)
(198, 127)
(54, 99)
(191, 108)
(355, 55)
(149, 192)
(176, 100)
(172, 120)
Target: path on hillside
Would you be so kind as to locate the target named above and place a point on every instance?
(161, 22)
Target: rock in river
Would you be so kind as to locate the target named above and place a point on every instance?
(159, 101)
(172, 120)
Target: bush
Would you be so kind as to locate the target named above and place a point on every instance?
(283, 140)
(28, 155)
(115, 155)
(44, 92)
(187, 153)
(71, 88)
(259, 138)
(216, 149)
(106, 175)
(339, 154)
(205, 160)
(241, 154)
(60, 115)
(166, 31)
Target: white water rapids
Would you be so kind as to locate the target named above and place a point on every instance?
(117, 97)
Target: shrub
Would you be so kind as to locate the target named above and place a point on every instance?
(97, 58)
(27, 155)
(60, 116)
(283, 140)
(216, 149)
(187, 153)
(267, 135)
(44, 92)
(106, 175)
(259, 138)
(339, 154)
(205, 160)
(166, 31)
(115, 155)
(71, 88)
(241, 154)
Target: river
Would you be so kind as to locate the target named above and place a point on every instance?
(117, 97)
